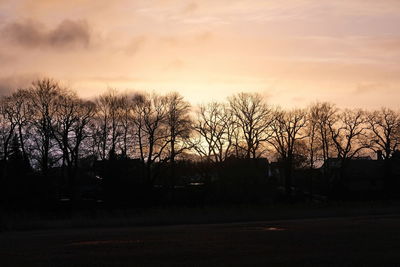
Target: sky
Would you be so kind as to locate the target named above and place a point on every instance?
(293, 52)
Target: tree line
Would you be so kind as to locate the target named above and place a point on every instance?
(48, 125)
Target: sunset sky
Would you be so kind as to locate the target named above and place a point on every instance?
(291, 51)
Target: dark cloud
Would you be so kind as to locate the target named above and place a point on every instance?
(11, 83)
(32, 34)
(28, 33)
(70, 32)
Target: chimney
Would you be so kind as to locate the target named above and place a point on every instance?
(379, 155)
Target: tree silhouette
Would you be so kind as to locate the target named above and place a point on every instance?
(287, 127)
(253, 118)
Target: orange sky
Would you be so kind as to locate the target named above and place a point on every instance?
(292, 51)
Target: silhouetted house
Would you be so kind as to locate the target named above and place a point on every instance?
(195, 173)
(275, 172)
(119, 168)
(235, 180)
(241, 180)
(358, 178)
(363, 177)
(355, 176)
(305, 181)
(123, 180)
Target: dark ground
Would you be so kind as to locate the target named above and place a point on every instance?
(351, 241)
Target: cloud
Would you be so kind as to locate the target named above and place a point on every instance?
(26, 34)
(6, 58)
(10, 83)
(170, 40)
(70, 33)
(32, 34)
(176, 64)
(135, 44)
(365, 88)
(211, 20)
(204, 36)
(190, 8)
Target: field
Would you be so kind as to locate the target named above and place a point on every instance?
(341, 241)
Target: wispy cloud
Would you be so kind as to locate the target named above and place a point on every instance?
(190, 8)
(135, 44)
(366, 88)
(176, 64)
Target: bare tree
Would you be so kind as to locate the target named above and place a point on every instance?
(109, 123)
(86, 111)
(384, 127)
(69, 128)
(253, 119)
(8, 124)
(20, 104)
(313, 143)
(209, 129)
(321, 115)
(178, 124)
(150, 113)
(347, 132)
(230, 143)
(126, 125)
(287, 127)
(64, 118)
(43, 95)
(384, 136)
(215, 127)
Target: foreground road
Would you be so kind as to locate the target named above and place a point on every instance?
(358, 241)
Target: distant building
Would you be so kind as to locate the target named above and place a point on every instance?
(362, 176)
(358, 177)
(358, 174)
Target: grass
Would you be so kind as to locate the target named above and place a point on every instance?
(14, 221)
